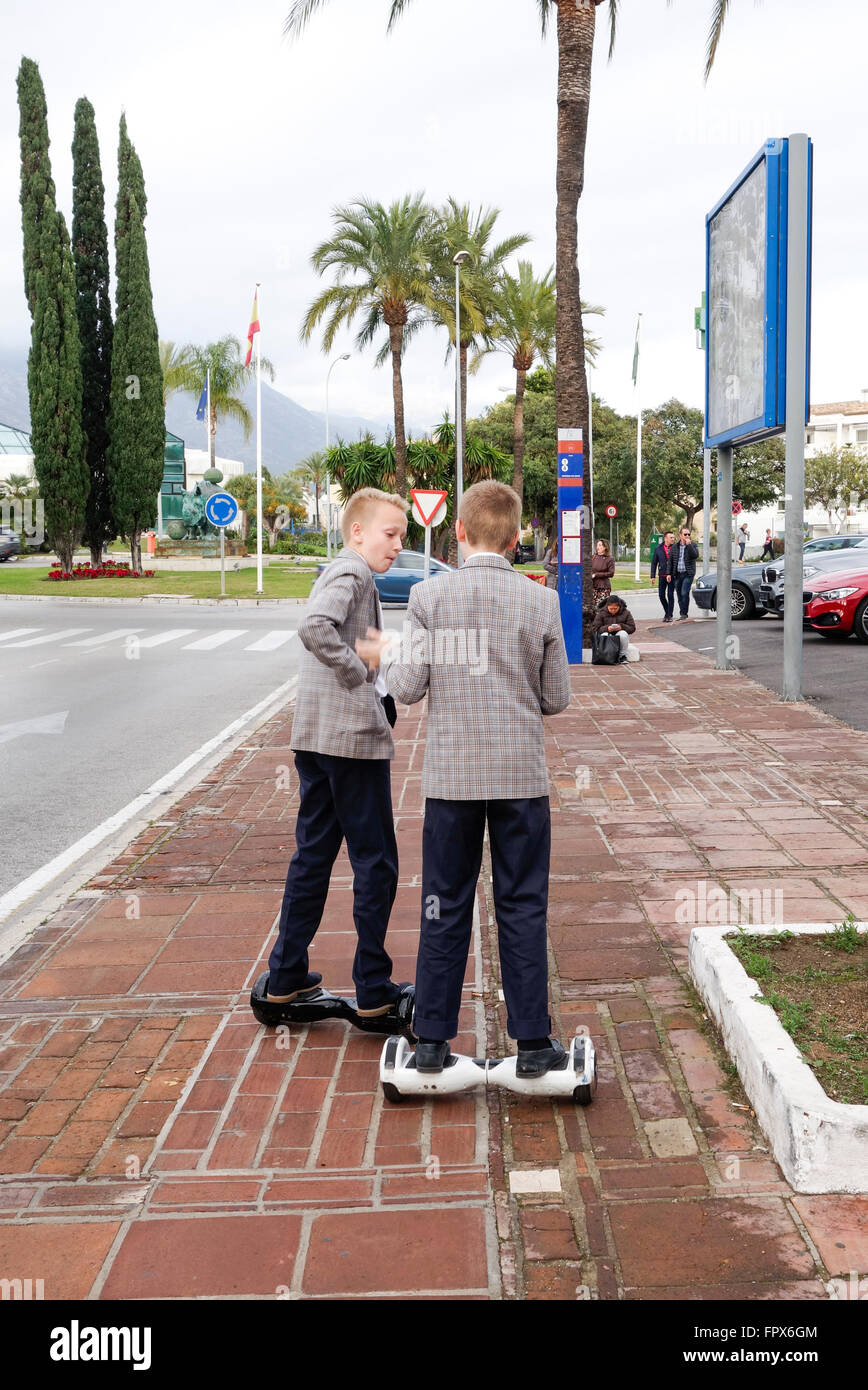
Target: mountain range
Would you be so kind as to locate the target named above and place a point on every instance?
(289, 432)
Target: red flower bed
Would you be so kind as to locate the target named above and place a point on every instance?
(107, 571)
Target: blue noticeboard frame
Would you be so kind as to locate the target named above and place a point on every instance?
(771, 418)
(570, 491)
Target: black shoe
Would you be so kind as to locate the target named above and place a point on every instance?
(431, 1056)
(389, 999)
(312, 980)
(537, 1061)
(667, 618)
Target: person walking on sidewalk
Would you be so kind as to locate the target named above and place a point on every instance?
(614, 616)
(662, 562)
(743, 538)
(485, 763)
(602, 571)
(768, 545)
(343, 744)
(684, 572)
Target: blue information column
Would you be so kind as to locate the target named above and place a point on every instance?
(570, 460)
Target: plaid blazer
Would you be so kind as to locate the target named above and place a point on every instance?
(337, 709)
(486, 644)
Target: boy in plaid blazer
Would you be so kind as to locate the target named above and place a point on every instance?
(343, 744)
(486, 646)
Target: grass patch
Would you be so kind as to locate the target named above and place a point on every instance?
(278, 581)
(818, 987)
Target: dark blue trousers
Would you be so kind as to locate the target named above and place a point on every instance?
(666, 591)
(682, 583)
(519, 834)
(340, 799)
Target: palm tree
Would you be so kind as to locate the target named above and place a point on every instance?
(575, 26)
(174, 365)
(313, 471)
(379, 256)
(456, 229)
(524, 326)
(229, 377)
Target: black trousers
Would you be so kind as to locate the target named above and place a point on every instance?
(341, 799)
(519, 834)
(666, 593)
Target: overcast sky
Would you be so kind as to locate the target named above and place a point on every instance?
(248, 142)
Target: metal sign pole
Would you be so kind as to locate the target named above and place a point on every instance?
(222, 561)
(706, 511)
(797, 349)
(427, 551)
(724, 556)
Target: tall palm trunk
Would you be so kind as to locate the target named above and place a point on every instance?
(396, 337)
(575, 49)
(521, 369)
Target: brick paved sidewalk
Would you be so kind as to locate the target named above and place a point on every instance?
(156, 1142)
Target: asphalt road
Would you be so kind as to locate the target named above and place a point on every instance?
(97, 703)
(835, 670)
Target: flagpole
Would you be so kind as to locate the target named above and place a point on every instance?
(638, 454)
(258, 452)
(208, 415)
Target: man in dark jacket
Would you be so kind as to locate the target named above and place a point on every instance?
(684, 557)
(614, 616)
(661, 565)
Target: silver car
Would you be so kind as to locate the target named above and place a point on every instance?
(825, 553)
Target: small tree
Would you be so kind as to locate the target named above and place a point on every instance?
(229, 378)
(834, 478)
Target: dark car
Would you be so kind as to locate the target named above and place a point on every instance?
(408, 569)
(10, 545)
(747, 600)
(524, 554)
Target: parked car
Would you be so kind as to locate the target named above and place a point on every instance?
(747, 600)
(10, 545)
(408, 569)
(835, 603)
(829, 552)
(524, 554)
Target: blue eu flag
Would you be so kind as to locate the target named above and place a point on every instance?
(203, 401)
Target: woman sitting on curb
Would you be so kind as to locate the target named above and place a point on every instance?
(614, 616)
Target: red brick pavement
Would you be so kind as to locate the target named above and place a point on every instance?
(155, 1141)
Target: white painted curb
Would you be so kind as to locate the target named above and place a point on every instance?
(821, 1144)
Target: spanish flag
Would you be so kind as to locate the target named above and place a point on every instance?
(254, 328)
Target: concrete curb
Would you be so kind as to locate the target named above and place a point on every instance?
(154, 600)
(821, 1144)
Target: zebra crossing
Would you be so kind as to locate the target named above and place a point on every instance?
(26, 638)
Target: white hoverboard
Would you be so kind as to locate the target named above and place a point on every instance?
(575, 1077)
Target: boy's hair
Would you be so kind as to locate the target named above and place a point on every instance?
(491, 513)
(362, 503)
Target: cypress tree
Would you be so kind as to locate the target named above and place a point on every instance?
(37, 184)
(93, 305)
(137, 425)
(131, 184)
(54, 383)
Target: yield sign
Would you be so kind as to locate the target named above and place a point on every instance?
(429, 505)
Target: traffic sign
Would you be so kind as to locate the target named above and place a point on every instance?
(221, 509)
(736, 507)
(429, 506)
(611, 511)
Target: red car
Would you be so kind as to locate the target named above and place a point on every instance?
(837, 603)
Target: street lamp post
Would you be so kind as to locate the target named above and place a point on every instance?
(458, 261)
(344, 357)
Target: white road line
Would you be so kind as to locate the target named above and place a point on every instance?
(104, 637)
(49, 637)
(271, 641)
(214, 639)
(16, 632)
(161, 637)
(26, 889)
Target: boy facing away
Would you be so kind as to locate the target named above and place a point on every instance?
(487, 647)
(342, 744)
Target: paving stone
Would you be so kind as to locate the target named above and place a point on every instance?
(186, 1257)
(67, 1258)
(670, 1138)
(838, 1225)
(365, 1252)
(547, 1233)
(721, 1241)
